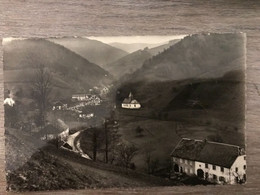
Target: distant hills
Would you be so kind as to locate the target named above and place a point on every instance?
(129, 63)
(92, 50)
(196, 56)
(132, 47)
(70, 72)
(133, 61)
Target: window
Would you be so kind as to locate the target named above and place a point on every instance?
(186, 162)
(222, 179)
(222, 169)
(236, 169)
(215, 177)
(190, 162)
(206, 165)
(244, 157)
(206, 175)
(244, 177)
(180, 160)
(214, 167)
(244, 167)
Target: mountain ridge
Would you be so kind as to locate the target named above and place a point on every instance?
(201, 56)
(65, 66)
(94, 51)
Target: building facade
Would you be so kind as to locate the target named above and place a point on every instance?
(216, 162)
(131, 103)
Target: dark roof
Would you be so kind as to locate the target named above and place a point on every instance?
(130, 99)
(208, 152)
(127, 101)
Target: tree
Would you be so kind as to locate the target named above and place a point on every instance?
(125, 154)
(96, 142)
(152, 164)
(41, 86)
(111, 137)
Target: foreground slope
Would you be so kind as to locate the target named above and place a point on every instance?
(50, 168)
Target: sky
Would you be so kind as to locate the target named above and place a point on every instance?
(136, 39)
(123, 39)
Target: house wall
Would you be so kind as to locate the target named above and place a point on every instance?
(131, 106)
(187, 166)
(229, 175)
(239, 163)
(209, 172)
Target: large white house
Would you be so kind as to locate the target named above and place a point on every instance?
(212, 161)
(131, 103)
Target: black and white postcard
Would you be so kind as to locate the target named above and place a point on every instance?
(124, 112)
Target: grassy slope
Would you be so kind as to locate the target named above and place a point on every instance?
(49, 168)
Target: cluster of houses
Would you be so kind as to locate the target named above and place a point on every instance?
(89, 99)
(86, 116)
(79, 101)
(216, 162)
(59, 106)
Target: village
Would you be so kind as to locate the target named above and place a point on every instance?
(210, 161)
(217, 163)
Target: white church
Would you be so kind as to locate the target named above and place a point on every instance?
(216, 162)
(131, 103)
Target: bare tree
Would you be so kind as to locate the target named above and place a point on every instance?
(111, 138)
(42, 85)
(125, 154)
(96, 141)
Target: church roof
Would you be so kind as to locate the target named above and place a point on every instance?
(130, 100)
(127, 101)
(205, 151)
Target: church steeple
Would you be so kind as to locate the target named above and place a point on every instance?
(130, 95)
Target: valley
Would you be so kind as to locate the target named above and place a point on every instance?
(69, 115)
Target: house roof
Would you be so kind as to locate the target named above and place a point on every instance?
(130, 100)
(208, 152)
(127, 101)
